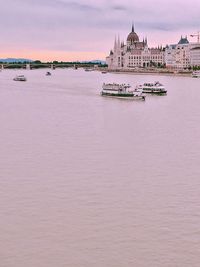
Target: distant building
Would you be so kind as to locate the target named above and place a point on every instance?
(195, 54)
(182, 55)
(134, 53)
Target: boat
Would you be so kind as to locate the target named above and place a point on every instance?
(196, 74)
(104, 72)
(20, 78)
(88, 69)
(48, 73)
(153, 88)
(121, 91)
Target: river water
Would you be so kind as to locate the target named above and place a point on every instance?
(91, 181)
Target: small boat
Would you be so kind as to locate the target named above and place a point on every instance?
(104, 72)
(121, 91)
(88, 69)
(153, 88)
(20, 78)
(48, 73)
(196, 74)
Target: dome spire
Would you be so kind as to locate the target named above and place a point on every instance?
(133, 30)
(132, 37)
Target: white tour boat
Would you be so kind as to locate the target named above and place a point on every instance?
(121, 91)
(20, 78)
(196, 74)
(153, 88)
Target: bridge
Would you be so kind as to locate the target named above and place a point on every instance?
(34, 65)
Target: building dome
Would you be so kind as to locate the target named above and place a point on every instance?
(132, 37)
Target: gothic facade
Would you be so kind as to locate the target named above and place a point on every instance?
(134, 53)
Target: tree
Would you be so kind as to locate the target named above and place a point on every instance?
(37, 62)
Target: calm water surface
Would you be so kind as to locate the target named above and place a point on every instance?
(88, 181)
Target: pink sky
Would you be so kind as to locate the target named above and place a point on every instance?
(84, 30)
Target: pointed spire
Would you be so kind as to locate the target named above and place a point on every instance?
(118, 42)
(115, 44)
(133, 30)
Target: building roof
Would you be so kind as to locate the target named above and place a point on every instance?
(133, 37)
(183, 40)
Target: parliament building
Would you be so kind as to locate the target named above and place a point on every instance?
(134, 53)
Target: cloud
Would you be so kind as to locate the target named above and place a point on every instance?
(118, 7)
(87, 25)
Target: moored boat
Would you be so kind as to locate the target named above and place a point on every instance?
(196, 74)
(88, 69)
(121, 91)
(20, 78)
(153, 88)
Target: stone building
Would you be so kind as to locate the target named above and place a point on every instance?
(134, 53)
(182, 55)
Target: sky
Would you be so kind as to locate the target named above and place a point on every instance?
(70, 30)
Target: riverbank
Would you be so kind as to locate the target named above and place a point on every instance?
(97, 67)
(154, 72)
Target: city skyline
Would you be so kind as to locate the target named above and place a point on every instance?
(84, 30)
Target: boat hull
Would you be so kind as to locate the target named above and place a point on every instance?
(123, 96)
(19, 80)
(155, 92)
